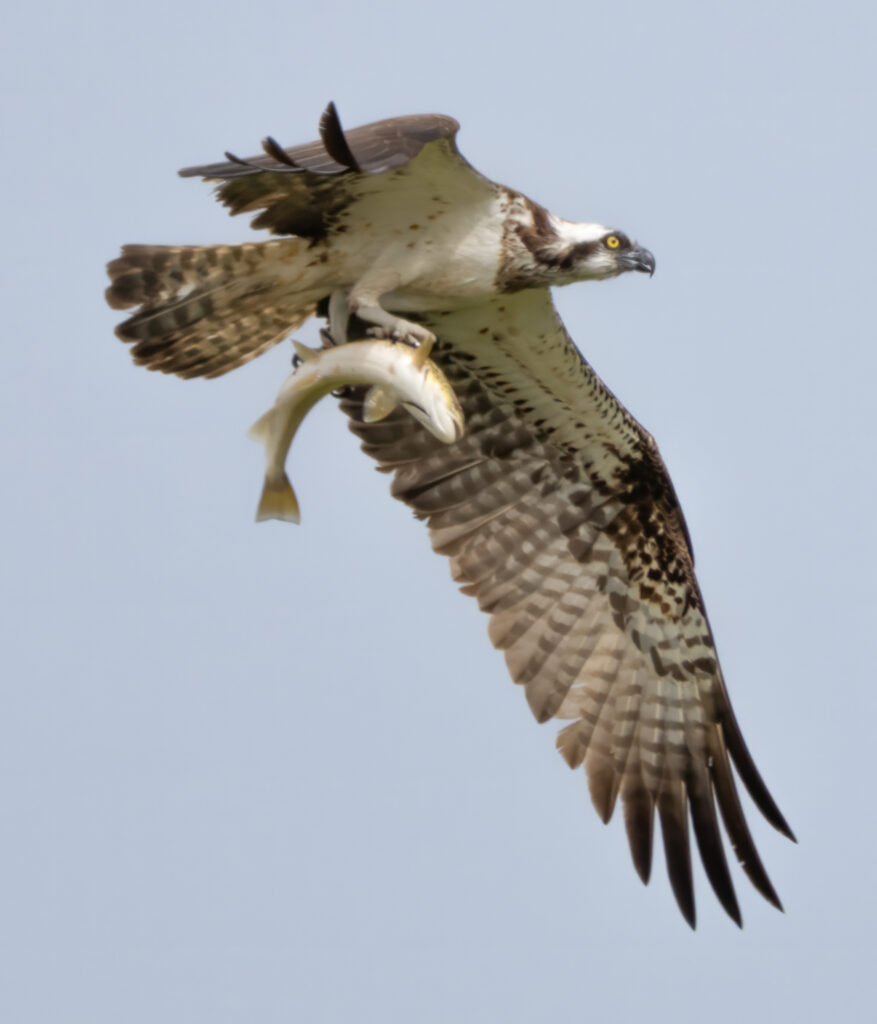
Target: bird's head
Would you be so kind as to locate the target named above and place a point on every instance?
(591, 252)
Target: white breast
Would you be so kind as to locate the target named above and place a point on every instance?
(444, 236)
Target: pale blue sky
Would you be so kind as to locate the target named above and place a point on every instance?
(264, 773)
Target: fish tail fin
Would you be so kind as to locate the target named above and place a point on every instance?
(377, 404)
(278, 501)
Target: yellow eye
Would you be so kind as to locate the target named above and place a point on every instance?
(613, 241)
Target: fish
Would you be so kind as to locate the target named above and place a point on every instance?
(399, 374)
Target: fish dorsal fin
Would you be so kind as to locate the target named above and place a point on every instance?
(305, 354)
(378, 404)
(421, 354)
(261, 428)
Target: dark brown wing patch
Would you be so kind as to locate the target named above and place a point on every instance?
(301, 190)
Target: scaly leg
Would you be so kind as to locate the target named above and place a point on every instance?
(339, 315)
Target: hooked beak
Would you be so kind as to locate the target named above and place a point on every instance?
(637, 258)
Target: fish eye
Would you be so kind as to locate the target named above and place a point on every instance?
(613, 241)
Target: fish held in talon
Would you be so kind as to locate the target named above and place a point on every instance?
(398, 375)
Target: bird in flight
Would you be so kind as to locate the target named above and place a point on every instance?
(555, 508)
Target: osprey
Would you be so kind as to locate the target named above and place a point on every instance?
(555, 508)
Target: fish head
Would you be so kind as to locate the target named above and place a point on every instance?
(438, 409)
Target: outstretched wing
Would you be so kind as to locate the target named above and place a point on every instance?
(559, 517)
(302, 190)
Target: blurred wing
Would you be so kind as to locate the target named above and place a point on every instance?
(558, 516)
(301, 190)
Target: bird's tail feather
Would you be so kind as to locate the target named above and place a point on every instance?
(204, 310)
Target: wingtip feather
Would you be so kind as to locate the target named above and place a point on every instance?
(750, 775)
(639, 822)
(673, 813)
(709, 843)
(735, 822)
(334, 139)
